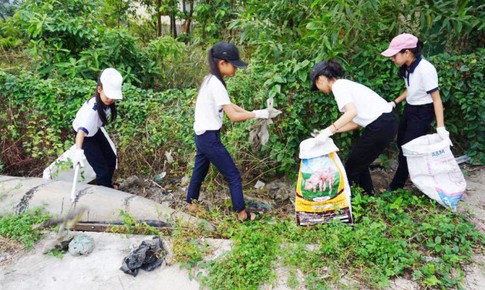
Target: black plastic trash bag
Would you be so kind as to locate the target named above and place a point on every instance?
(148, 256)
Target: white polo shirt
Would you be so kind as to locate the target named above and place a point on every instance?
(87, 118)
(421, 80)
(368, 103)
(208, 107)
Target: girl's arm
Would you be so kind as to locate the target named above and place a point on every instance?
(239, 109)
(438, 109)
(237, 114)
(79, 139)
(402, 97)
(345, 123)
(348, 127)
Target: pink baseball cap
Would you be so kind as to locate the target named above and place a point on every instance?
(400, 42)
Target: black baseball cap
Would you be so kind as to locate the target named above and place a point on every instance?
(317, 70)
(229, 52)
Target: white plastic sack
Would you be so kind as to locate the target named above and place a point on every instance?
(322, 191)
(62, 168)
(434, 170)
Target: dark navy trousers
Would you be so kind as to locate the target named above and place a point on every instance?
(101, 157)
(414, 123)
(211, 150)
(374, 140)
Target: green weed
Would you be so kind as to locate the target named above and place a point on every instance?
(131, 226)
(395, 234)
(19, 227)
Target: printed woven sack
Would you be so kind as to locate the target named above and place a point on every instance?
(322, 191)
(434, 170)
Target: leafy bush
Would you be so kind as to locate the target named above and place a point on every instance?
(461, 88)
(67, 39)
(38, 114)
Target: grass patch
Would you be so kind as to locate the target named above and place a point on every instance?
(19, 227)
(400, 234)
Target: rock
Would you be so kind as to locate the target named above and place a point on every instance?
(5, 256)
(81, 245)
(279, 191)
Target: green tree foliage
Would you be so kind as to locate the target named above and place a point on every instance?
(213, 18)
(68, 39)
(451, 26)
(282, 40)
(7, 8)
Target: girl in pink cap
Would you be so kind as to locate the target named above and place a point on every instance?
(423, 101)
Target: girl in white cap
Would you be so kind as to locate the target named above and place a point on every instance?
(361, 107)
(212, 102)
(423, 101)
(94, 113)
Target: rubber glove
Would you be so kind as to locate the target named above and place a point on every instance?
(444, 134)
(323, 136)
(261, 114)
(78, 158)
(392, 104)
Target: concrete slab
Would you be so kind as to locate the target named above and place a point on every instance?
(99, 270)
(103, 204)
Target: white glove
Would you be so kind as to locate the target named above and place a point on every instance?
(78, 158)
(392, 104)
(261, 114)
(323, 136)
(444, 134)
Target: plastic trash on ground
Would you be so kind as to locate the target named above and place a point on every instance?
(148, 256)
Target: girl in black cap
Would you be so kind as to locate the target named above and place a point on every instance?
(361, 107)
(212, 102)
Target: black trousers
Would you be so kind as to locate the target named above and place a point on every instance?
(101, 157)
(211, 150)
(414, 123)
(374, 140)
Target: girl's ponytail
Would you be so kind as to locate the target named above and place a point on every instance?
(101, 106)
(214, 69)
(334, 69)
(417, 51)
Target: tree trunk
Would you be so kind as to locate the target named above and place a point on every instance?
(189, 18)
(159, 18)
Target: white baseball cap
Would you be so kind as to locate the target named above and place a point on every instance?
(112, 80)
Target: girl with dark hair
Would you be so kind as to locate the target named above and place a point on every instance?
(361, 107)
(212, 102)
(423, 101)
(90, 140)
